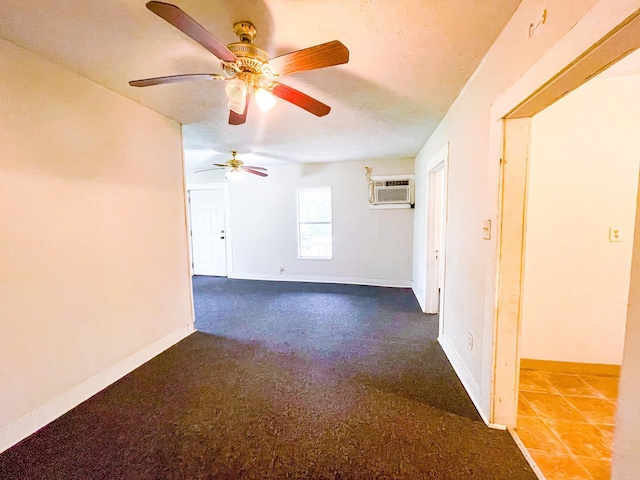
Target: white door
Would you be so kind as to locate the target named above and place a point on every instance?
(208, 232)
(435, 238)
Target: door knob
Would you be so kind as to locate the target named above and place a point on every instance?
(222, 238)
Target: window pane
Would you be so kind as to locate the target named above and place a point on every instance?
(314, 223)
(314, 205)
(315, 240)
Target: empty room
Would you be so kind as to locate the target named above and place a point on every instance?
(276, 239)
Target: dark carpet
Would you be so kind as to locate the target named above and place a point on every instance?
(283, 380)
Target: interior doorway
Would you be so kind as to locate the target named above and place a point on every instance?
(512, 114)
(436, 224)
(581, 195)
(208, 228)
(516, 140)
(436, 238)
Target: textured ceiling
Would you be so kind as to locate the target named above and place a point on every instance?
(408, 61)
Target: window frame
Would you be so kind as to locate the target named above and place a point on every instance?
(299, 222)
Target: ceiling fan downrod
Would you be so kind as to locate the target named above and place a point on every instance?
(245, 31)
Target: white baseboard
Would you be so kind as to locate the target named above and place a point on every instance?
(466, 378)
(374, 282)
(34, 421)
(420, 299)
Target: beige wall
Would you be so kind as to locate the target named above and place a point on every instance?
(626, 454)
(583, 170)
(514, 69)
(93, 248)
(473, 189)
(370, 246)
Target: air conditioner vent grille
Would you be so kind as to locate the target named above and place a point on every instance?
(393, 195)
(394, 191)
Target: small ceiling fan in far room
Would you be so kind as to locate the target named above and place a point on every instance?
(248, 68)
(236, 166)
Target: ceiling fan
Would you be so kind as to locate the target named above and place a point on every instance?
(248, 68)
(236, 166)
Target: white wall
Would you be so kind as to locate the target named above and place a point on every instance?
(93, 249)
(626, 454)
(583, 170)
(473, 189)
(370, 246)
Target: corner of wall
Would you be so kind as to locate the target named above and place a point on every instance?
(34, 421)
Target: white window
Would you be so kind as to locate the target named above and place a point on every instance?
(315, 237)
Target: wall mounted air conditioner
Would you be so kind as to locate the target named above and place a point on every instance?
(391, 192)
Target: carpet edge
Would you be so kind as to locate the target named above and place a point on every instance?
(35, 420)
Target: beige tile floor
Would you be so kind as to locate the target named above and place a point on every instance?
(566, 422)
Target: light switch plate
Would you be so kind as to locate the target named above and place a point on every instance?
(486, 230)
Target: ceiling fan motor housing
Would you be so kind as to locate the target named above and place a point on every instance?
(234, 163)
(251, 59)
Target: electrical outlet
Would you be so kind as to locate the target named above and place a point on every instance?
(281, 270)
(614, 234)
(470, 342)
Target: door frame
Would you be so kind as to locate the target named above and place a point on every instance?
(436, 223)
(606, 34)
(227, 220)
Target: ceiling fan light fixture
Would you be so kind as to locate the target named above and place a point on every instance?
(237, 107)
(236, 90)
(246, 65)
(233, 173)
(264, 99)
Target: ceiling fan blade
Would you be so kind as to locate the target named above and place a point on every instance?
(300, 99)
(237, 118)
(255, 172)
(191, 28)
(207, 170)
(146, 82)
(320, 56)
(223, 165)
(255, 168)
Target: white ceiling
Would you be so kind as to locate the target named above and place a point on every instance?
(408, 61)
